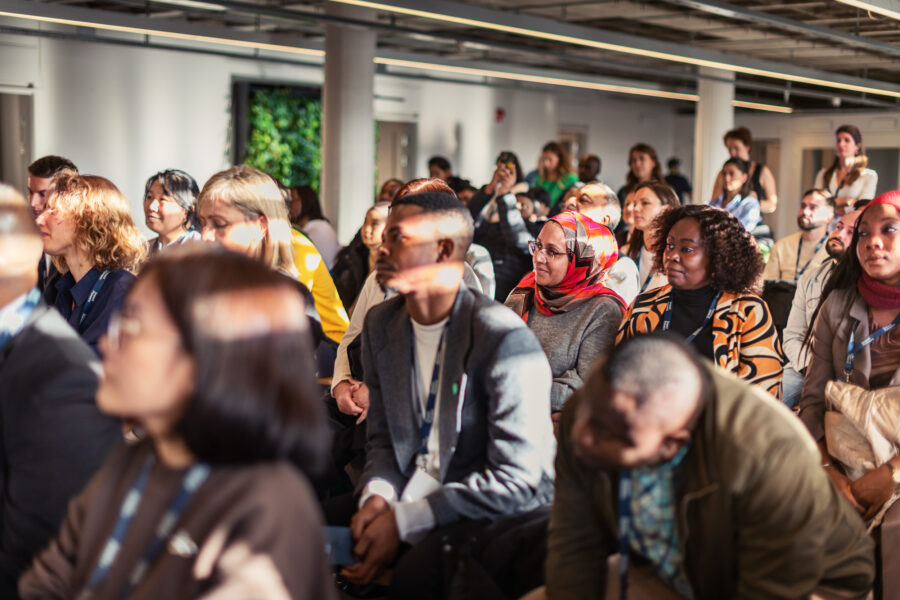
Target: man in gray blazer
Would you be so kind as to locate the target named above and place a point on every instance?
(52, 437)
(459, 434)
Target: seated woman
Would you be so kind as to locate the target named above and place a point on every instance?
(87, 229)
(554, 173)
(650, 199)
(713, 267)
(243, 209)
(737, 196)
(854, 340)
(170, 209)
(215, 502)
(306, 215)
(356, 261)
(565, 302)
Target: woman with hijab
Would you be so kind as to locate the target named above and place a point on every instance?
(713, 267)
(565, 301)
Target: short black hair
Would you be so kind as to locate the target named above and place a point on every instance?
(248, 404)
(440, 162)
(445, 203)
(674, 162)
(48, 166)
(180, 186)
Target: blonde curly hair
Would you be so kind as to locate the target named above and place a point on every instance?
(256, 194)
(104, 229)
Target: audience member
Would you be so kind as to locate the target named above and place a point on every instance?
(197, 358)
(565, 301)
(651, 198)
(626, 227)
(388, 190)
(643, 165)
(713, 267)
(805, 301)
(459, 435)
(710, 487)
(589, 168)
(308, 218)
(737, 197)
(170, 209)
(243, 209)
(40, 172)
(761, 181)
(87, 229)
(439, 168)
(677, 181)
(530, 207)
(499, 225)
(848, 179)
(355, 262)
(53, 437)
(794, 254)
(554, 172)
(598, 202)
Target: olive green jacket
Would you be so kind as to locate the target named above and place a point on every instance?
(757, 515)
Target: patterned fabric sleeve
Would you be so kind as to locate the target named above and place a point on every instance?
(746, 343)
(645, 314)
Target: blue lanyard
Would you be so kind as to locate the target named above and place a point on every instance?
(853, 350)
(647, 281)
(798, 271)
(624, 531)
(667, 318)
(192, 481)
(20, 316)
(89, 304)
(428, 417)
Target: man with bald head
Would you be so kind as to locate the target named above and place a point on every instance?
(706, 488)
(52, 437)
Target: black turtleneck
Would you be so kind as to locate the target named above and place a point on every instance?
(689, 308)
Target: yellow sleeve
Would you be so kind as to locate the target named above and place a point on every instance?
(315, 276)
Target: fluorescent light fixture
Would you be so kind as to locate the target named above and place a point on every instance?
(167, 34)
(567, 39)
(192, 4)
(877, 7)
(560, 81)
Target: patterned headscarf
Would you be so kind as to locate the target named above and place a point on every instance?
(592, 250)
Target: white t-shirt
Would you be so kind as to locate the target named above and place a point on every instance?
(427, 338)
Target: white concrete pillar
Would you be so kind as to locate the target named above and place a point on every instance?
(715, 116)
(348, 121)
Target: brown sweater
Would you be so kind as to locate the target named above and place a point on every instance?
(257, 530)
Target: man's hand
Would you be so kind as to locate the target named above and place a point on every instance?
(842, 483)
(360, 398)
(377, 547)
(343, 394)
(374, 506)
(872, 490)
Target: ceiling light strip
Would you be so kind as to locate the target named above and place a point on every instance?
(760, 106)
(168, 34)
(875, 8)
(618, 48)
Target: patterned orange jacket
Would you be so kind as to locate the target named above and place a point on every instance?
(745, 341)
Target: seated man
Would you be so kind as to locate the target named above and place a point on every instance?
(705, 478)
(806, 299)
(598, 202)
(459, 432)
(52, 437)
(804, 250)
(589, 168)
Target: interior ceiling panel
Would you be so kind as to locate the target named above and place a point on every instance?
(824, 35)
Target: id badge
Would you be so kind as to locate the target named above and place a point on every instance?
(420, 485)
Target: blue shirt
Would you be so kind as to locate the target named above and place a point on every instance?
(71, 297)
(745, 208)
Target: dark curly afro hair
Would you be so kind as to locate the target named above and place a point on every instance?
(735, 263)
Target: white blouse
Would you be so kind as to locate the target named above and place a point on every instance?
(863, 188)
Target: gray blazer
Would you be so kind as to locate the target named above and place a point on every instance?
(496, 438)
(844, 311)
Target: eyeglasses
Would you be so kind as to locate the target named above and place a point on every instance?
(120, 327)
(535, 246)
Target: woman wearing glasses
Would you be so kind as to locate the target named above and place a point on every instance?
(87, 229)
(565, 301)
(214, 503)
(170, 209)
(713, 267)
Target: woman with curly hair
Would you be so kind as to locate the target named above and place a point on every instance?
(713, 267)
(88, 230)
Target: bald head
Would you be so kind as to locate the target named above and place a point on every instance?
(639, 405)
(20, 244)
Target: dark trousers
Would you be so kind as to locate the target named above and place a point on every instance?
(475, 560)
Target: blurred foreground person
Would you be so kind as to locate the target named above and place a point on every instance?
(215, 502)
(708, 484)
(88, 230)
(52, 437)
